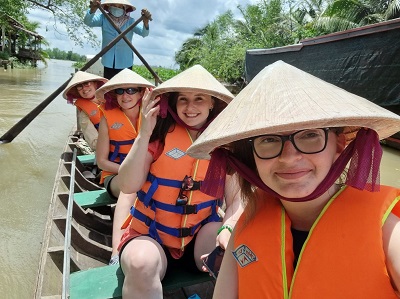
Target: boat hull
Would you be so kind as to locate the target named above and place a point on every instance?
(90, 246)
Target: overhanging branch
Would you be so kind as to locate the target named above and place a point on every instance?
(49, 6)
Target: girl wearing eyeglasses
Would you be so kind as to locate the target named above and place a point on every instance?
(80, 92)
(172, 222)
(317, 224)
(119, 125)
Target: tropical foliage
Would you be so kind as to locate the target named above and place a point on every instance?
(220, 46)
(163, 73)
(56, 53)
(66, 12)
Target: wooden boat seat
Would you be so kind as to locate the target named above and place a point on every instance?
(95, 198)
(107, 281)
(87, 159)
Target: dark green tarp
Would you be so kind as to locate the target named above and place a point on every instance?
(365, 63)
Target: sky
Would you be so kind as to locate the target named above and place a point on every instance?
(174, 21)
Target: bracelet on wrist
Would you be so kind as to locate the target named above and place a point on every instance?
(225, 226)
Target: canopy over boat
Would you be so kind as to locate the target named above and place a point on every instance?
(364, 61)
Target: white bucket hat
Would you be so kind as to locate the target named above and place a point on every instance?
(128, 6)
(283, 98)
(124, 79)
(79, 78)
(195, 78)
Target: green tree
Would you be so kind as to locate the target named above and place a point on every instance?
(221, 45)
(346, 14)
(189, 53)
(14, 8)
(67, 12)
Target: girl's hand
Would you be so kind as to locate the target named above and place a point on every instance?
(204, 267)
(150, 110)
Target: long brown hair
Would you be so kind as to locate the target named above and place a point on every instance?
(243, 151)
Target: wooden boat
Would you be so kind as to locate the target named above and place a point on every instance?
(364, 61)
(77, 240)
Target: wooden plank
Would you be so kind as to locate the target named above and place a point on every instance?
(87, 159)
(97, 283)
(94, 198)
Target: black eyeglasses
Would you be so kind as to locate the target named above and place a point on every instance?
(84, 84)
(310, 141)
(129, 90)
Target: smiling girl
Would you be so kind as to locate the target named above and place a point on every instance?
(119, 126)
(172, 222)
(312, 228)
(80, 91)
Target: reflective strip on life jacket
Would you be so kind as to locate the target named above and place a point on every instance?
(91, 109)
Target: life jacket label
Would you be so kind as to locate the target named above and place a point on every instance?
(116, 126)
(244, 255)
(175, 153)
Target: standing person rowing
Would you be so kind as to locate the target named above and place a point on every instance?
(119, 56)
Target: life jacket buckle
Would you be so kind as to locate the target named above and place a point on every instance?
(187, 183)
(189, 209)
(182, 200)
(185, 232)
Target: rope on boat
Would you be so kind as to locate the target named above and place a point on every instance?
(67, 238)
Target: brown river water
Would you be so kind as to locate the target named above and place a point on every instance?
(29, 164)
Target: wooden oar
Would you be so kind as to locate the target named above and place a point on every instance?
(26, 120)
(156, 77)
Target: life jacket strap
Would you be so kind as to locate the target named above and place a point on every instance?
(156, 181)
(164, 182)
(120, 156)
(114, 154)
(154, 226)
(182, 209)
(148, 222)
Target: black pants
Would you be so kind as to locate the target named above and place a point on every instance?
(109, 73)
(186, 262)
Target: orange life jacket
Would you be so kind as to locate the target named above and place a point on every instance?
(91, 109)
(157, 210)
(122, 134)
(342, 257)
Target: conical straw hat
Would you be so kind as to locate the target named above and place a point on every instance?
(79, 78)
(124, 79)
(196, 78)
(283, 98)
(126, 3)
